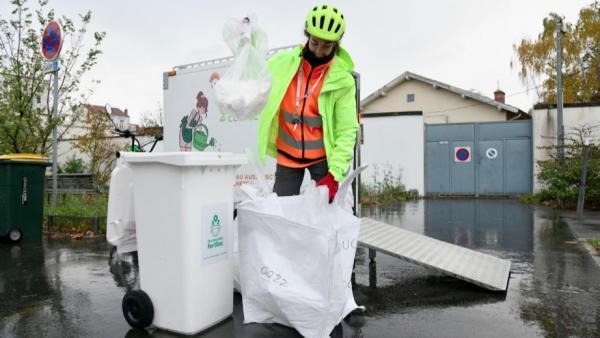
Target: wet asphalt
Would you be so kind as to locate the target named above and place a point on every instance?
(57, 288)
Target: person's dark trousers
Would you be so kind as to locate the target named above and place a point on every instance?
(288, 180)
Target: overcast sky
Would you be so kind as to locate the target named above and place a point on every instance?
(465, 43)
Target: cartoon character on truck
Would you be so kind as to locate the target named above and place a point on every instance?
(192, 131)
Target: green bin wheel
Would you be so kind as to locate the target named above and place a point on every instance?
(15, 235)
(138, 309)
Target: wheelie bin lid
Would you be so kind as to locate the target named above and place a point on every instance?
(25, 158)
(186, 159)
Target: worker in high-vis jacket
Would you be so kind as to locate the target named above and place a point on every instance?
(310, 120)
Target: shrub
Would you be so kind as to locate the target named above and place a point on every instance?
(76, 213)
(74, 166)
(561, 181)
(387, 190)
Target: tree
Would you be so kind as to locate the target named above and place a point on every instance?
(97, 143)
(26, 120)
(153, 119)
(581, 58)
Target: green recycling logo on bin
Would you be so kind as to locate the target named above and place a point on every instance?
(215, 231)
(215, 228)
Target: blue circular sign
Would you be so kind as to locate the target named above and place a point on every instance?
(463, 154)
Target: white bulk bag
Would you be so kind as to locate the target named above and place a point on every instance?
(296, 256)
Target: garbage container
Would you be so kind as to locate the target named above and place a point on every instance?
(183, 206)
(22, 196)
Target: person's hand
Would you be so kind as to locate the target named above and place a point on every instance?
(331, 184)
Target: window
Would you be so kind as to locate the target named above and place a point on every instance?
(38, 99)
(410, 98)
(121, 124)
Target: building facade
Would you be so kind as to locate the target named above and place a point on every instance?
(395, 119)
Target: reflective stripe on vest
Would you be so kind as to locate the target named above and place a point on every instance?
(300, 124)
(308, 145)
(310, 121)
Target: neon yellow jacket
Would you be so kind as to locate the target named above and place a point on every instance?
(337, 106)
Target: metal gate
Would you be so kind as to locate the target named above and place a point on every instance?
(490, 158)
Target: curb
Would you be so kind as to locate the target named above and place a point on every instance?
(591, 251)
(582, 240)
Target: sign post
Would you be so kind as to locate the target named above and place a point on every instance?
(51, 45)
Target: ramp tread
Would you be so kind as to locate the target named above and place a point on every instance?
(482, 269)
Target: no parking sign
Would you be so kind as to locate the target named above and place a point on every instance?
(462, 154)
(50, 47)
(51, 41)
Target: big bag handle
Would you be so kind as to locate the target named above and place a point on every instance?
(343, 190)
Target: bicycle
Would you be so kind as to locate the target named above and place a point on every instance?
(136, 146)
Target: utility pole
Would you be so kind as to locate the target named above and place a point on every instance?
(54, 142)
(584, 165)
(560, 130)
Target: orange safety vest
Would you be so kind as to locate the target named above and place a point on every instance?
(300, 139)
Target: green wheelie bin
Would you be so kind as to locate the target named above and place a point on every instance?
(22, 196)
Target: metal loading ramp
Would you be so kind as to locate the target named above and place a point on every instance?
(469, 265)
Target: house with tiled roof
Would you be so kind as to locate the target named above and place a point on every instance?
(438, 102)
(119, 117)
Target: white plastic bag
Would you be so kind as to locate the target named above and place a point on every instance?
(244, 89)
(120, 220)
(296, 256)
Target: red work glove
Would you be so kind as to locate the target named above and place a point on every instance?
(331, 184)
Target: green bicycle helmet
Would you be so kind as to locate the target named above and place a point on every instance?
(326, 22)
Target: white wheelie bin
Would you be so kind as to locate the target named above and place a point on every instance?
(183, 212)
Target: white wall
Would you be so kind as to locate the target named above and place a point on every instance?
(544, 130)
(67, 149)
(395, 144)
(67, 145)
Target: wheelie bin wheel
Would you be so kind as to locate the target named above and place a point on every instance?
(138, 309)
(15, 235)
